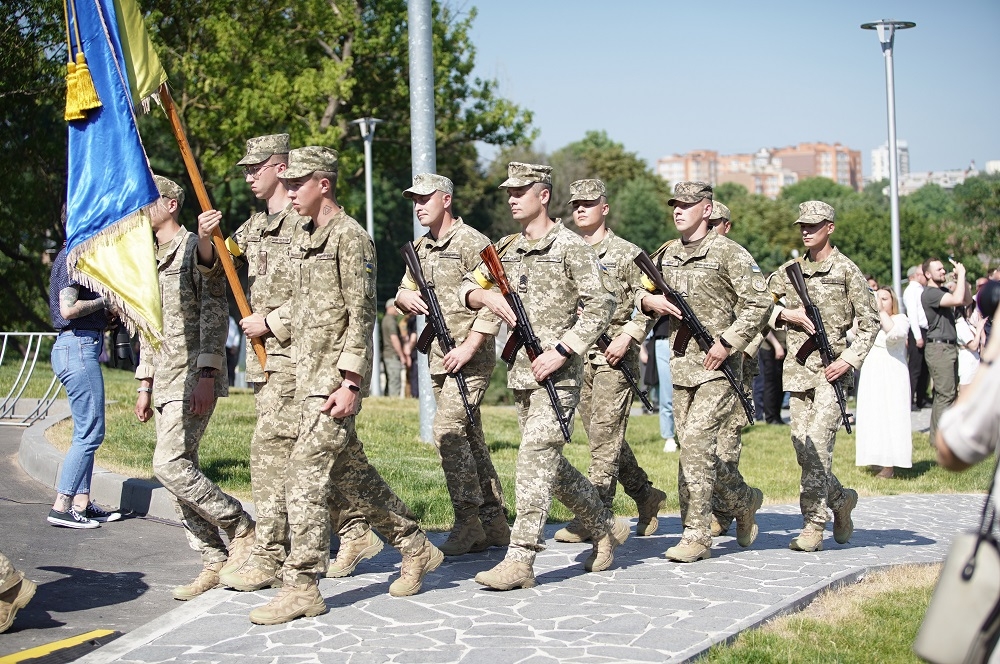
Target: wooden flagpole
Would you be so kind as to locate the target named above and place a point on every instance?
(206, 204)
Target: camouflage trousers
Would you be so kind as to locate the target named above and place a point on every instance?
(328, 456)
(272, 442)
(472, 480)
(543, 472)
(8, 575)
(202, 506)
(700, 413)
(605, 402)
(815, 420)
(729, 493)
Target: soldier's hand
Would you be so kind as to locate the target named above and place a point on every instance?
(254, 326)
(715, 356)
(142, 407)
(836, 369)
(459, 357)
(659, 304)
(208, 221)
(617, 349)
(411, 302)
(203, 396)
(799, 318)
(342, 403)
(547, 364)
(497, 303)
(779, 352)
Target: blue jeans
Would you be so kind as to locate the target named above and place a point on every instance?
(666, 390)
(75, 361)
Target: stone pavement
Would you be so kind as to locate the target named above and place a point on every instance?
(644, 609)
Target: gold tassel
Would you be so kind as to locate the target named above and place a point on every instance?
(87, 95)
(73, 111)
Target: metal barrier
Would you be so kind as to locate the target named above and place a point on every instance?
(8, 407)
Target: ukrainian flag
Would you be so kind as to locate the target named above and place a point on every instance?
(109, 239)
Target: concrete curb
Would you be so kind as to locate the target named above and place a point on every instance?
(43, 463)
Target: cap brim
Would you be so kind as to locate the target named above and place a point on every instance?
(254, 158)
(811, 219)
(687, 198)
(291, 173)
(418, 191)
(583, 200)
(515, 182)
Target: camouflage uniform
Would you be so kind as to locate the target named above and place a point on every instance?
(195, 324)
(472, 480)
(725, 289)
(551, 275)
(332, 269)
(840, 291)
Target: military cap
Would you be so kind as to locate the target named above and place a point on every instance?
(719, 211)
(169, 189)
(690, 192)
(303, 161)
(586, 190)
(519, 175)
(263, 147)
(813, 212)
(428, 183)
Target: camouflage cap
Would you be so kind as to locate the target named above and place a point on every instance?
(813, 212)
(263, 147)
(586, 190)
(303, 161)
(169, 189)
(719, 211)
(690, 192)
(519, 175)
(428, 183)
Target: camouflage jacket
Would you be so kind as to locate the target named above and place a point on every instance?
(554, 275)
(840, 291)
(332, 310)
(616, 255)
(724, 287)
(195, 323)
(445, 262)
(263, 242)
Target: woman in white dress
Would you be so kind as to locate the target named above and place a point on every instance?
(883, 411)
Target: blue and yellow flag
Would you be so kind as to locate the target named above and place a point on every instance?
(109, 239)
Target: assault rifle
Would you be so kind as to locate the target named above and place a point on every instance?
(690, 328)
(435, 327)
(603, 342)
(818, 340)
(522, 334)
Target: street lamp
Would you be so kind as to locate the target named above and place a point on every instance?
(367, 126)
(886, 29)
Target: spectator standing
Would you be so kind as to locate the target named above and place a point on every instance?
(665, 391)
(770, 358)
(968, 329)
(914, 310)
(394, 356)
(234, 339)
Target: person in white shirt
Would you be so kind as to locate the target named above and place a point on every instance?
(914, 310)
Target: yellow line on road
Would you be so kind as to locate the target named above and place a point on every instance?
(41, 651)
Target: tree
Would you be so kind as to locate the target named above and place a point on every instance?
(730, 192)
(977, 228)
(643, 217)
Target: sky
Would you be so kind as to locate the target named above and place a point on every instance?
(665, 77)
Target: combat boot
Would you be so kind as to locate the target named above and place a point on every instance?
(688, 550)
(647, 523)
(352, 552)
(574, 533)
(255, 574)
(603, 553)
(720, 527)
(509, 574)
(843, 525)
(497, 534)
(207, 579)
(240, 545)
(291, 602)
(809, 540)
(746, 521)
(415, 567)
(14, 599)
(466, 535)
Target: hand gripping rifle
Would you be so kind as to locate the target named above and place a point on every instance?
(818, 341)
(522, 334)
(435, 327)
(603, 342)
(690, 328)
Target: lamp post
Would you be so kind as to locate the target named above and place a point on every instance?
(886, 30)
(367, 126)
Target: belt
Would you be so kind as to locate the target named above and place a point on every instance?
(81, 332)
(941, 341)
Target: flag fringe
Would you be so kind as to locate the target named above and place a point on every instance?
(107, 237)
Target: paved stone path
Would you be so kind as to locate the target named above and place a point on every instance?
(645, 609)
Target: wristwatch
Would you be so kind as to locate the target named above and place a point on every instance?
(354, 388)
(562, 350)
